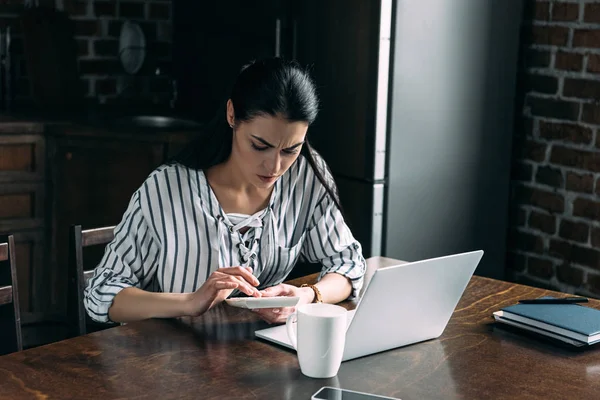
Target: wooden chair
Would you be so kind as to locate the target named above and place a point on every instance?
(11, 338)
(79, 321)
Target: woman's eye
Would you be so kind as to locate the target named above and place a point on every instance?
(290, 152)
(259, 148)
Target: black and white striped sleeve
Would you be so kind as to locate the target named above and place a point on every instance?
(130, 260)
(330, 242)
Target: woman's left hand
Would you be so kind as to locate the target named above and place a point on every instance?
(279, 315)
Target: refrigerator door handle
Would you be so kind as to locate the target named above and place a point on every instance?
(278, 37)
(377, 224)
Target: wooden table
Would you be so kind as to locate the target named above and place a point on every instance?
(216, 357)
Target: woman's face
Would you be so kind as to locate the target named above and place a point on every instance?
(265, 147)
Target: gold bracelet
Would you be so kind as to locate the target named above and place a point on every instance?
(318, 298)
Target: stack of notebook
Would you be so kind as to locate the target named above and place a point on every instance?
(570, 323)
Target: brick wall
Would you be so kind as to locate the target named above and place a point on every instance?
(98, 24)
(555, 228)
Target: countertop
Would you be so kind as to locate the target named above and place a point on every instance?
(91, 121)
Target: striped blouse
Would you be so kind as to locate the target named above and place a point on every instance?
(174, 234)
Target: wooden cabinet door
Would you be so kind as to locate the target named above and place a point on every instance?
(33, 286)
(22, 157)
(340, 39)
(213, 39)
(93, 182)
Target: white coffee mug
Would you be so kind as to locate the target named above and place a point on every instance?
(318, 333)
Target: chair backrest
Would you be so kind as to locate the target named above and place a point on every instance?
(78, 276)
(11, 337)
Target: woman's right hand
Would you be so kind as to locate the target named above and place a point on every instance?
(219, 286)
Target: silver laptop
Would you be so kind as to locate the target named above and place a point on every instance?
(402, 304)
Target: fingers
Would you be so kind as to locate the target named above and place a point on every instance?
(243, 272)
(244, 286)
(222, 285)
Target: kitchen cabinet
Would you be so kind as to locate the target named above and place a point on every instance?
(22, 194)
(56, 175)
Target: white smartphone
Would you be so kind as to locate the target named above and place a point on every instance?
(331, 393)
(263, 302)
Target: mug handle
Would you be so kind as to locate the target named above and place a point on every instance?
(290, 329)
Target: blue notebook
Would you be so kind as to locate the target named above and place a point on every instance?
(574, 318)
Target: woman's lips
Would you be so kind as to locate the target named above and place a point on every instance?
(267, 179)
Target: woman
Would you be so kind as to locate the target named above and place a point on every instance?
(234, 212)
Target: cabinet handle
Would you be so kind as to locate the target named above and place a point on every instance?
(277, 37)
(69, 156)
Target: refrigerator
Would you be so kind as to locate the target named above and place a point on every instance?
(416, 115)
(416, 121)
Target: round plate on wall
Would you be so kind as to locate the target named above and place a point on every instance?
(132, 47)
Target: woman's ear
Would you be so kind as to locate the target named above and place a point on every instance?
(230, 113)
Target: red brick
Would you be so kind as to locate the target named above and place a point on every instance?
(570, 275)
(114, 28)
(526, 242)
(150, 30)
(106, 86)
(78, 8)
(580, 183)
(591, 113)
(534, 151)
(593, 64)
(593, 283)
(586, 208)
(542, 222)
(568, 61)
(521, 172)
(586, 38)
(106, 48)
(592, 12)
(541, 83)
(516, 262)
(537, 58)
(565, 11)
(160, 11)
(550, 35)
(536, 10)
(581, 88)
(105, 8)
(96, 67)
(540, 268)
(572, 253)
(586, 160)
(576, 231)
(549, 176)
(87, 28)
(566, 132)
(86, 86)
(595, 238)
(131, 10)
(552, 202)
(83, 48)
(551, 108)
